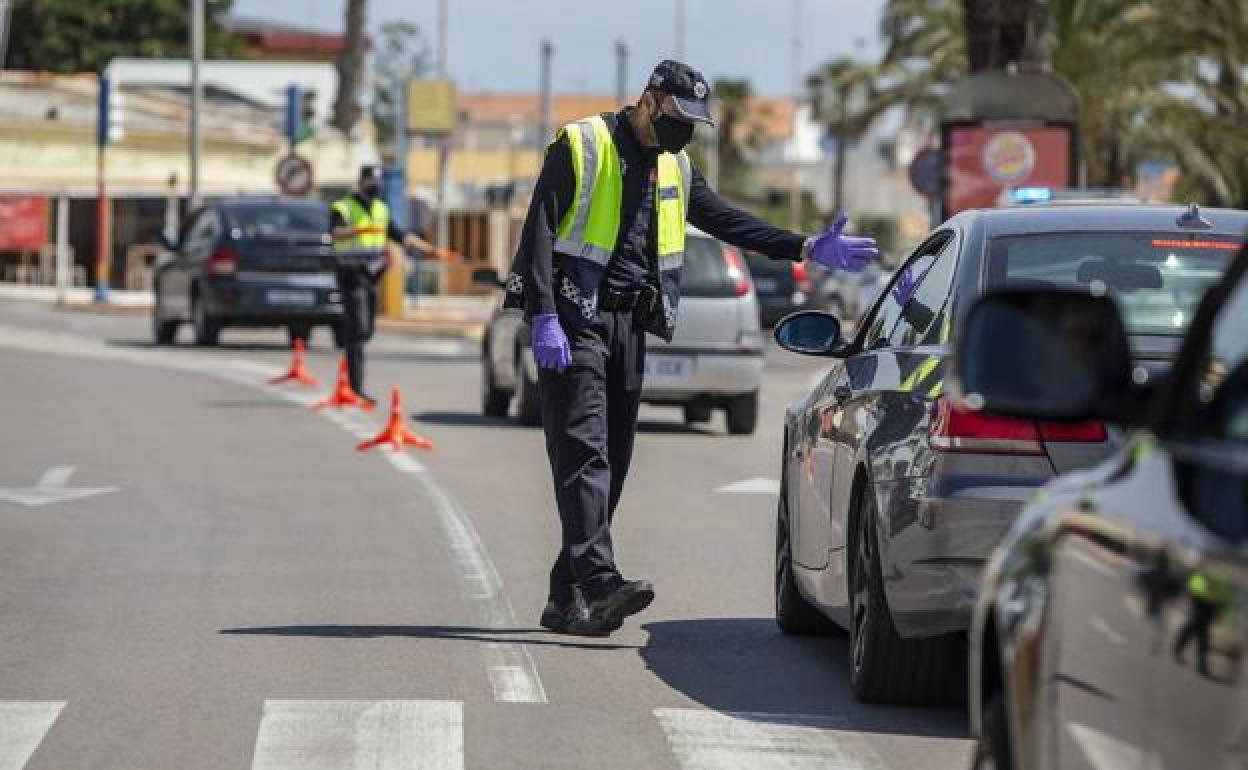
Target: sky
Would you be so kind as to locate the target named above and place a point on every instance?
(493, 45)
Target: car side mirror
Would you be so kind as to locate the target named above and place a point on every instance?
(1045, 354)
(810, 332)
(487, 276)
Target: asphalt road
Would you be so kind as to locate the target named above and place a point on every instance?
(200, 572)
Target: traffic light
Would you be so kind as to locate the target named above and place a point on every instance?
(300, 114)
(109, 126)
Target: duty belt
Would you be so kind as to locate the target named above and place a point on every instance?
(642, 300)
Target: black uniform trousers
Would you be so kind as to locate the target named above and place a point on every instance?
(589, 412)
(359, 313)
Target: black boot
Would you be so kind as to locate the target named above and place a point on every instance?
(568, 616)
(607, 612)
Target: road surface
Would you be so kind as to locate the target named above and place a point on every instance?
(197, 571)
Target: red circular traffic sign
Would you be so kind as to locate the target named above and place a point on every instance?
(294, 175)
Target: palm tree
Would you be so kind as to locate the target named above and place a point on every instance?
(843, 101)
(350, 66)
(734, 145)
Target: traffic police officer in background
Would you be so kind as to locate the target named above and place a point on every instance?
(361, 226)
(599, 265)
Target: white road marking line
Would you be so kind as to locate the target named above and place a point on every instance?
(712, 740)
(51, 488)
(513, 674)
(378, 735)
(23, 724)
(754, 486)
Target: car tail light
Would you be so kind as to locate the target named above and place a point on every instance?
(737, 271)
(1074, 432)
(224, 261)
(801, 277)
(954, 429)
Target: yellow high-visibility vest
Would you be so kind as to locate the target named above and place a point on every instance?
(591, 226)
(368, 227)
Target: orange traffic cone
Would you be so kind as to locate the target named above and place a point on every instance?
(298, 369)
(396, 433)
(343, 394)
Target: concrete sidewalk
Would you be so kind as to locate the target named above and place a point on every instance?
(439, 316)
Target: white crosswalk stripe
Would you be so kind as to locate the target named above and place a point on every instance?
(23, 724)
(706, 740)
(379, 735)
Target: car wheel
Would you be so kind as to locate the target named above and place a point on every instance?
(993, 752)
(794, 615)
(884, 667)
(207, 329)
(495, 401)
(695, 413)
(163, 332)
(298, 332)
(530, 407)
(743, 414)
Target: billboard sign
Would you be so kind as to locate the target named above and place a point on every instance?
(987, 162)
(430, 106)
(23, 222)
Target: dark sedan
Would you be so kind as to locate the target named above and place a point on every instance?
(1110, 626)
(892, 499)
(248, 262)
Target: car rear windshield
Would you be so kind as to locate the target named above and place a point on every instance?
(265, 220)
(706, 269)
(1157, 278)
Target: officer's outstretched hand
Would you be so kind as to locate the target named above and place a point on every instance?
(842, 252)
(550, 344)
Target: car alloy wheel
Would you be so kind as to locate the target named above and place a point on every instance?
(860, 598)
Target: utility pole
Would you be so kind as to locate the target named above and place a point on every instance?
(545, 108)
(442, 38)
(197, 95)
(680, 30)
(795, 181)
(621, 72)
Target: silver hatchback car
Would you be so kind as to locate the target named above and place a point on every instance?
(892, 498)
(715, 360)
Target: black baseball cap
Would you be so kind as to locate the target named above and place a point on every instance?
(686, 86)
(370, 173)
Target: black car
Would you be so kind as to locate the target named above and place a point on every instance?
(782, 286)
(251, 262)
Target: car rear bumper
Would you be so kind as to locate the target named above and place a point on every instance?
(259, 299)
(710, 373)
(939, 544)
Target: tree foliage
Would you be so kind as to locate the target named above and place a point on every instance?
(80, 36)
(402, 54)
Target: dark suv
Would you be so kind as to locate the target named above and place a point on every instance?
(248, 262)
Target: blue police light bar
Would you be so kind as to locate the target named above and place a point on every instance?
(294, 117)
(1032, 194)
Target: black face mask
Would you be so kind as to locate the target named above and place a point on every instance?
(673, 134)
(370, 190)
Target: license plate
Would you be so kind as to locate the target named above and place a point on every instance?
(290, 297)
(661, 368)
(766, 285)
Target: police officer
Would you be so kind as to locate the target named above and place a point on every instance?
(361, 225)
(599, 265)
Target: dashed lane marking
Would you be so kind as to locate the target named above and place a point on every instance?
(378, 735)
(512, 672)
(23, 724)
(754, 486)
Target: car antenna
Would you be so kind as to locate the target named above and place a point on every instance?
(1192, 218)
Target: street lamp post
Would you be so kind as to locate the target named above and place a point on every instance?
(197, 95)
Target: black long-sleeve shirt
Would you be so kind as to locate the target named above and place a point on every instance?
(552, 198)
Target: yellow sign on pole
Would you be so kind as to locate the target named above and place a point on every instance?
(430, 106)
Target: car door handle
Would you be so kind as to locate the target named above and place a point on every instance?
(842, 393)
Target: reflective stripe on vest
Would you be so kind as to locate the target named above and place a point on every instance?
(591, 225)
(368, 229)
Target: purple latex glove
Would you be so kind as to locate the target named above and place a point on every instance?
(550, 344)
(843, 252)
(905, 285)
